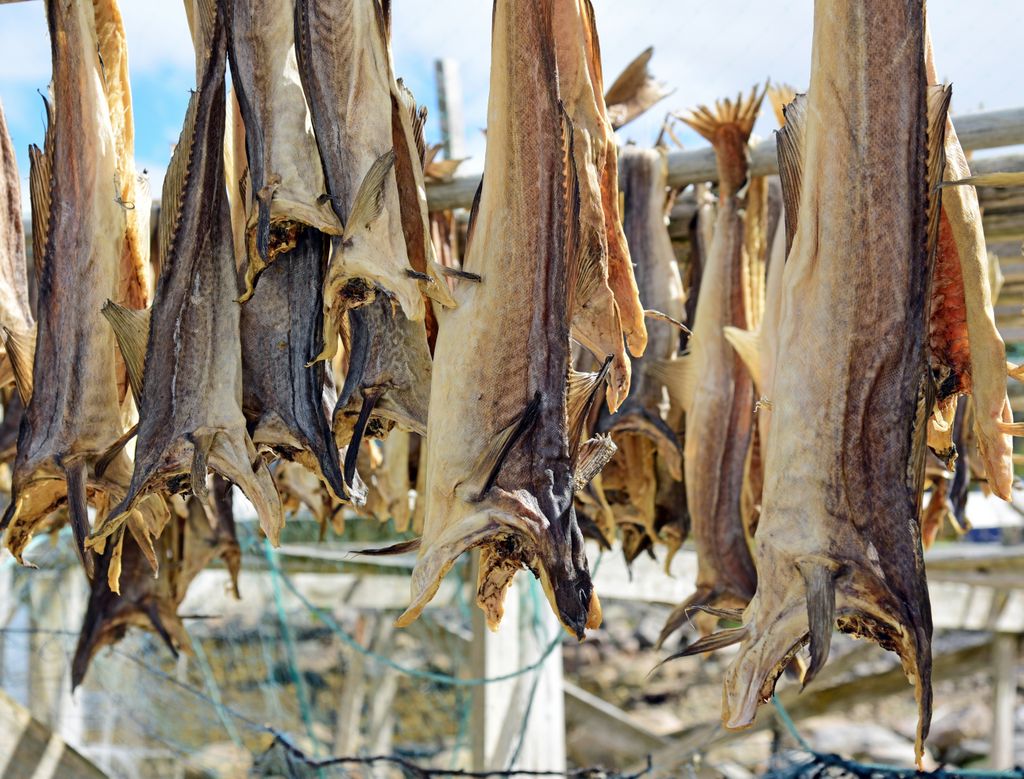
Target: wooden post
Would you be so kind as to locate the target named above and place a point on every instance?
(523, 718)
(1004, 701)
(449, 104)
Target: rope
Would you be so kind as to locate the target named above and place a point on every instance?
(820, 762)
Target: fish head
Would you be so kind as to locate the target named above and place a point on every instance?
(565, 574)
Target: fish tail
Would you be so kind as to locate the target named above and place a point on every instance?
(739, 114)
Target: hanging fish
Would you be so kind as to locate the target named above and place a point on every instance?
(710, 382)
(16, 317)
(504, 435)
(285, 171)
(190, 408)
(839, 538)
(73, 394)
(186, 546)
(639, 428)
(282, 394)
(344, 65)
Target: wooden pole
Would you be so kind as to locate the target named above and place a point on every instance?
(449, 104)
(987, 130)
(1004, 701)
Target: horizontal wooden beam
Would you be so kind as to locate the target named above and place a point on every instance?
(987, 130)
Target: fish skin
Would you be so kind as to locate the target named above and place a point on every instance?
(503, 360)
(839, 536)
(643, 414)
(73, 414)
(343, 63)
(190, 414)
(390, 361)
(285, 170)
(719, 413)
(282, 398)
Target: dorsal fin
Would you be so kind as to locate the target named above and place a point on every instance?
(790, 150)
(131, 329)
(938, 108)
(474, 209)
(175, 182)
(417, 119)
(39, 183)
(21, 351)
(580, 393)
(747, 344)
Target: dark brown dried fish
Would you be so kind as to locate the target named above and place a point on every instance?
(282, 398)
(187, 545)
(190, 415)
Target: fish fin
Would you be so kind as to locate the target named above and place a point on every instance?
(474, 210)
(131, 329)
(741, 114)
(704, 596)
(487, 468)
(1015, 429)
(747, 344)
(780, 96)
(176, 180)
(234, 457)
(201, 446)
(593, 455)
(105, 459)
(677, 374)
(711, 643)
(650, 313)
(819, 578)
(1015, 371)
(402, 547)
(455, 273)
(438, 558)
(368, 203)
(938, 110)
(114, 565)
(157, 622)
(1009, 179)
(581, 392)
(634, 91)
(21, 351)
(790, 151)
(78, 513)
(40, 184)
(370, 399)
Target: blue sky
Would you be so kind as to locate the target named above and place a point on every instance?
(702, 49)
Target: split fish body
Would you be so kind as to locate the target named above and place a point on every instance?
(190, 410)
(504, 453)
(282, 395)
(839, 537)
(285, 171)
